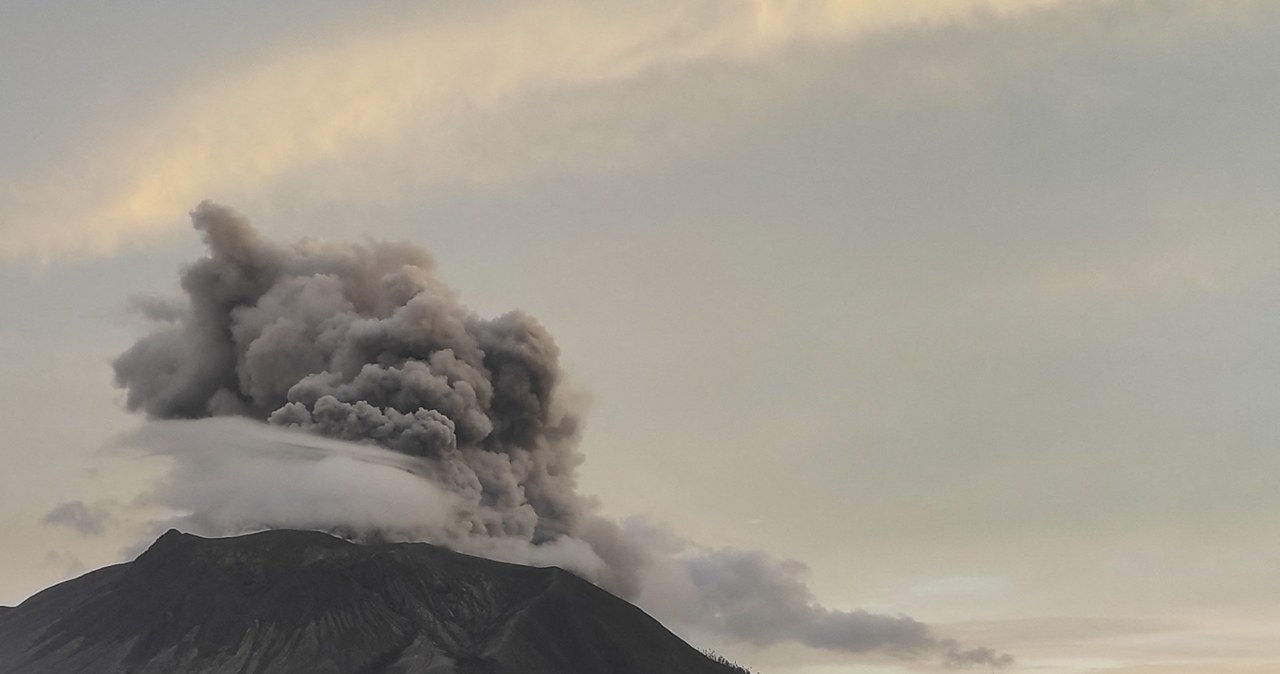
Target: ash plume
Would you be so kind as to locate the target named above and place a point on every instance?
(365, 399)
(363, 343)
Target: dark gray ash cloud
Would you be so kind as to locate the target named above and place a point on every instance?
(399, 413)
(763, 600)
(362, 342)
(749, 596)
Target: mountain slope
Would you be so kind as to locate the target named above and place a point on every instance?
(305, 602)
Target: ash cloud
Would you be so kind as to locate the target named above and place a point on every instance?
(81, 517)
(751, 597)
(756, 598)
(362, 342)
(344, 387)
(959, 657)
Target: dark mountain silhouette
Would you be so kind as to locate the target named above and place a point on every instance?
(296, 601)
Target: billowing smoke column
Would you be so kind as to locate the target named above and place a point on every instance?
(363, 343)
(420, 420)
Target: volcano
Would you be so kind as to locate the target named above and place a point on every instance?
(288, 601)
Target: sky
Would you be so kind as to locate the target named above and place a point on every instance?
(970, 306)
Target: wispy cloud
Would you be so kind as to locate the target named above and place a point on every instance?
(84, 518)
(428, 93)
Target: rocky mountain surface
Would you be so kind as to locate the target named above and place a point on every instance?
(281, 602)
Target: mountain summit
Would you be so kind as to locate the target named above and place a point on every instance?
(281, 602)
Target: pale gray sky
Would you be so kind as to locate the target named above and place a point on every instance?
(970, 306)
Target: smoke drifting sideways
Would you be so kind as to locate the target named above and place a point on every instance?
(344, 388)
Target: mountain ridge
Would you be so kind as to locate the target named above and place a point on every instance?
(286, 601)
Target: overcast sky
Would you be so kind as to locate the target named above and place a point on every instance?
(969, 305)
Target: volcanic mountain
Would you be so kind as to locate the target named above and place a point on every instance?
(298, 601)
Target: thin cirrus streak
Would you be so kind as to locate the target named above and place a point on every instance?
(414, 92)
